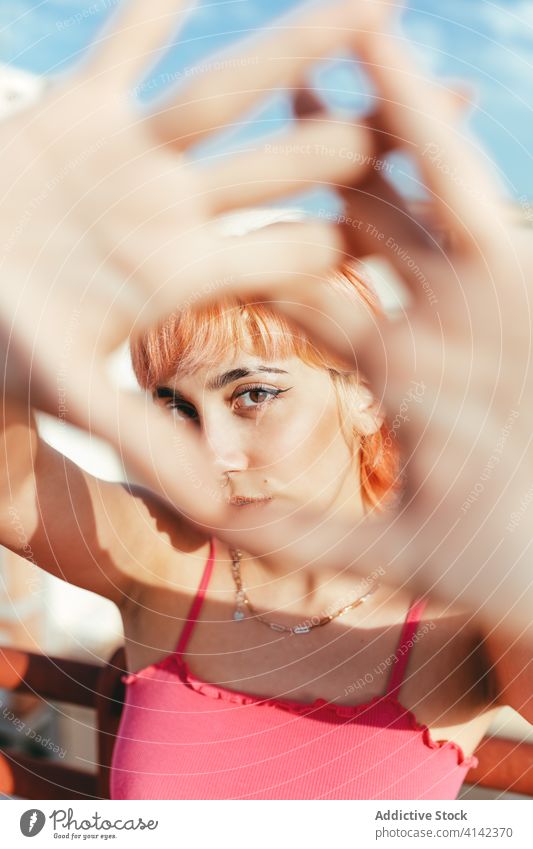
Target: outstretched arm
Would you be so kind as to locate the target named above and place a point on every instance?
(108, 225)
(99, 535)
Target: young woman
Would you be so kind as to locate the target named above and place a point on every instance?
(387, 700)
(296, 684)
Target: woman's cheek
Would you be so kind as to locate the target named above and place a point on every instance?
(298, 439)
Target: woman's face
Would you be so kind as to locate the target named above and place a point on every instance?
(273, 430)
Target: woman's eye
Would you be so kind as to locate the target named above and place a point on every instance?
(256, 396)
(185, 412)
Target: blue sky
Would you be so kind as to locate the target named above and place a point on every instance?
(490, 44)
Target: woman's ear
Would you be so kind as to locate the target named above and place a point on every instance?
(368, 415)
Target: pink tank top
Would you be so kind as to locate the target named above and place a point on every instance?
(183, 738)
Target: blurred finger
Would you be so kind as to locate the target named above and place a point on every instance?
(329, 316)
(231, 82)
(287, 265)
(424, 121)
(132, 40)
(329, 151)
(205, 263)
(462, 95)
(164, 453)
(307, 103)
(377, 219)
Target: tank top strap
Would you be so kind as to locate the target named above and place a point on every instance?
(404, 647)
(196, 604)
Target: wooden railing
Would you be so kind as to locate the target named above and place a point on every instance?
(504, 764)
(76, 683)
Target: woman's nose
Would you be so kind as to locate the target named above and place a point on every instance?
(225, 445)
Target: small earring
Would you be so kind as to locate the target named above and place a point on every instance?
(378, 458)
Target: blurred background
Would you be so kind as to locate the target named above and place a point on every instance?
(489, 45)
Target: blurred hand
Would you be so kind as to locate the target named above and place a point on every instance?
(107, 225)
(453, 371)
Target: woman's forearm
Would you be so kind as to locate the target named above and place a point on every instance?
(19, 441)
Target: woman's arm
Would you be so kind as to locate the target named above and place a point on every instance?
(99, 535)
(512, 668)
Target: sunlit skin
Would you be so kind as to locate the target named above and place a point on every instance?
(274, 433)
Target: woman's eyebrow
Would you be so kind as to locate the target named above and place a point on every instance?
(235, 374)
(220, 380)
(166, 392)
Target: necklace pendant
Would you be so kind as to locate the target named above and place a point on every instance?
(238, 614)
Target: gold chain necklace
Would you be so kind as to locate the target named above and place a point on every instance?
(244, 602)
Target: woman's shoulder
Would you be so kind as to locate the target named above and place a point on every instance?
(173, 540)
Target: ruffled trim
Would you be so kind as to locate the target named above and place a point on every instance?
(177, 666)
(467, 761)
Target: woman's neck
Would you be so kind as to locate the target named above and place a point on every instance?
(298, 591)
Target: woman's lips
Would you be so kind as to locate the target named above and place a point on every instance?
(246, 500)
